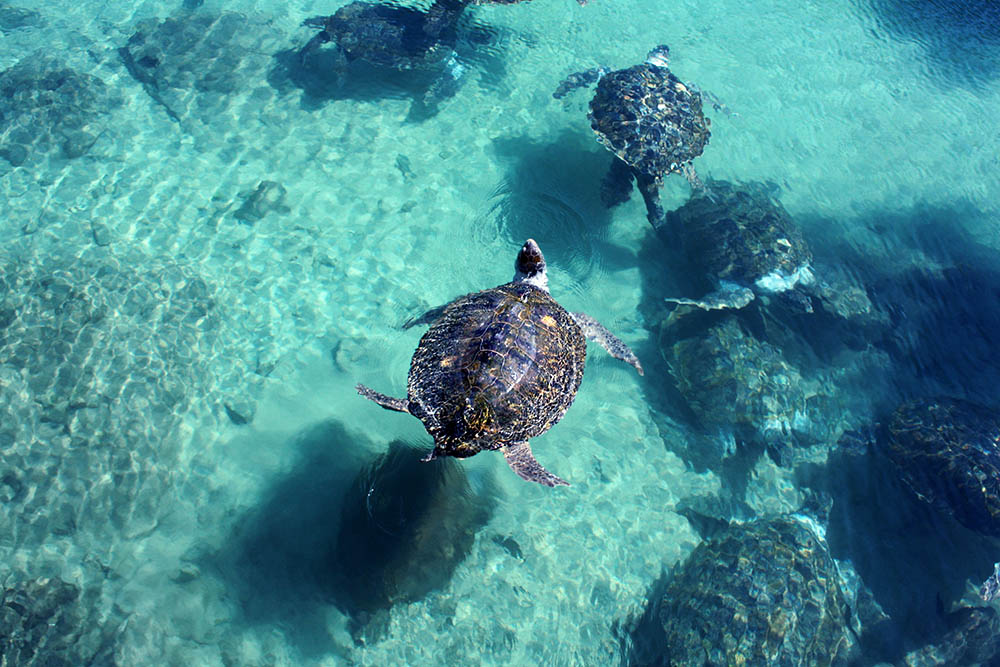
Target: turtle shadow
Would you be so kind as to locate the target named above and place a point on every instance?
(550, 192)
(358, 535)
(961, 39)
(277, 560)
(951, 284)
(641, 637)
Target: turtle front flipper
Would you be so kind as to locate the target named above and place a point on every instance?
(598, 333)
(578, 80)
(387, 402)
(727, 297)
(314, 44)
(990, 589)
(522, 461)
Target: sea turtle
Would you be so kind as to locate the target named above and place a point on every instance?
(396, 37)
(740, 389)
(763, 592)
(946, 451)
(743, 241)
(648, 118)
(500, 366)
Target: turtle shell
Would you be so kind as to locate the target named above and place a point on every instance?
(731, 380)
(947, 452)
(499, 366)
(646, 116)
(391, 35)
(761, 593)
(740, 233)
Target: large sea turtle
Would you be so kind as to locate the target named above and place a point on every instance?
(651, 120)
(499, 367)
(394, 36)
(766, 592)
(743, 241)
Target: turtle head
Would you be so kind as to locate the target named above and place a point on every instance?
(659, 56)
(530, 266)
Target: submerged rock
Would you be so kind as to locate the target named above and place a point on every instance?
(405, 526)
(101, 368)
(48, 109)
(15, 18)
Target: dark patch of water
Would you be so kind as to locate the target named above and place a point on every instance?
(961, 38)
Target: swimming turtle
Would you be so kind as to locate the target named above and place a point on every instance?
(763, 592)
(740, 389)
(500, 366)
(648, 118)
(744, 242)
(394, 36)
(947, 451)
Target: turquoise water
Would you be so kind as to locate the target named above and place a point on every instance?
(181, 436)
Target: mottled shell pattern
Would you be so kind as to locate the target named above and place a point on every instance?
(499, 366)
(762, 593)
(948, 452)
(650, 119)
(740, 233)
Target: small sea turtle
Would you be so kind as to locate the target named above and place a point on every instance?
(744, 242)
(396, 37)
(648, 118)
(763, 592)
(500, 366)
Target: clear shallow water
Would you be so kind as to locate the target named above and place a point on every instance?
(145, 322)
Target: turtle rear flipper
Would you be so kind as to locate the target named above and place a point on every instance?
(387, 402)
(616, 186)
(651, 196)
(598, 333)
(522, 461)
